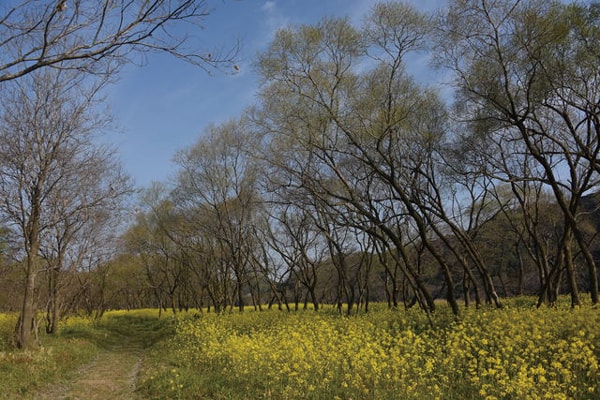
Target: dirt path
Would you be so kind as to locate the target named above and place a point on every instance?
(113, 374)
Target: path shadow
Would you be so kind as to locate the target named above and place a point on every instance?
(124, 331)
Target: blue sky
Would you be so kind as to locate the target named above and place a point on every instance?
(165, 105)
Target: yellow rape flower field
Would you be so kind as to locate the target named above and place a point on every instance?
(513, 353)
(519, 352)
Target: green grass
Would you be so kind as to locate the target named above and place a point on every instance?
(25, 371)
(78, 343)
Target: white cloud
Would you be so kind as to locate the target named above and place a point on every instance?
(269, 6)
(272, 19)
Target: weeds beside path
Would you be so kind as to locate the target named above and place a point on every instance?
(123, 341)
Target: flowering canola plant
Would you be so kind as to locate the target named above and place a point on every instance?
(513, 353)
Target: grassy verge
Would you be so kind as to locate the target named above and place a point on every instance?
(78, 343)
(25, 371)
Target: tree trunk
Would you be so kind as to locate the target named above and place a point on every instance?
(26, 323)
(450, 296)
(572, 279)
(52, 311)
(240, 294)
(466, 290)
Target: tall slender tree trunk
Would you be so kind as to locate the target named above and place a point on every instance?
(52, 309)
(26, 319)
(590, 263)
(240, 295)
(572, 279)
(467, 289)
(450, 296)
(26, 324)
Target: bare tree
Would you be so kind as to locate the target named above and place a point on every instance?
(367, 139)
(154, 240)
(298, 243)
(526, 74)
(83, 229)
(98, 36)
(48, 125)
(218, 182)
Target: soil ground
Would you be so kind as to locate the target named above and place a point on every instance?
(113, 374)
